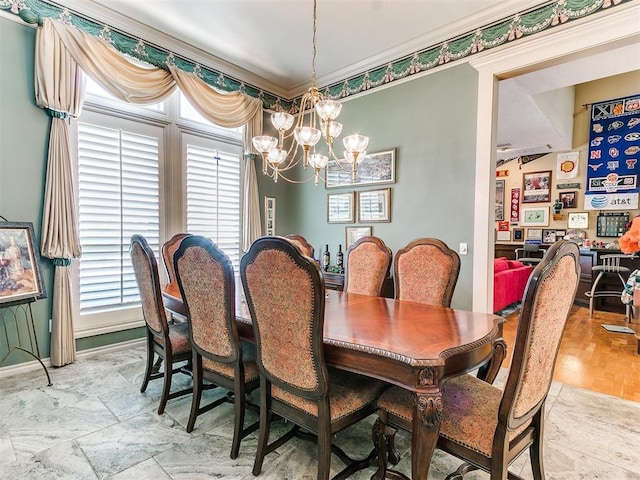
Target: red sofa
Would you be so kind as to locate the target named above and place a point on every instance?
(509, 281)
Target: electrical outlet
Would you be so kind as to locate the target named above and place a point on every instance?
(463, 249)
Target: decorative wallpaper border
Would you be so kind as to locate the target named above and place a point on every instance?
(511, 29)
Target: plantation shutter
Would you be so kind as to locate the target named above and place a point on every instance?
(118, 179)
(213, 195)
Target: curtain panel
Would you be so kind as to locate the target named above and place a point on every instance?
(61, 52)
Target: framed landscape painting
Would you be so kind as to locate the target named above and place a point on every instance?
(20, 278)
(376, 168)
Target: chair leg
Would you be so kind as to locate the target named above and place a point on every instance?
(197, 392)
(166, 387)
(265, 426)
(149, 368)
(324, 451)
(238, 424)
(592, 293)
(535, 451)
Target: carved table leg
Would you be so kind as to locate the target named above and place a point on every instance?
(427, 412)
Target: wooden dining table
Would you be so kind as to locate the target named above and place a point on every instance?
(414, 346)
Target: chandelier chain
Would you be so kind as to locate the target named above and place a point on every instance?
(313, 55)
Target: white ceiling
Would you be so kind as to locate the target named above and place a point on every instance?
(268, 43)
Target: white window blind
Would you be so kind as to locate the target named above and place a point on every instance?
(118, 195)
(213, 193)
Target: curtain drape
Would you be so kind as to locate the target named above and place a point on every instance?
(59, 90)
(62, 52)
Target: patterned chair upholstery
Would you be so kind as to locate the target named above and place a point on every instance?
(168, 249)
(207, 284)
(285, 295)
(426, 271)
(367, 265)
(302, 244)
(486, 427)
(169, 342)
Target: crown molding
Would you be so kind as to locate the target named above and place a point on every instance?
(136, 28)
(552, 46)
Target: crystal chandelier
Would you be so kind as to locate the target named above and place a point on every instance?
(315, 119)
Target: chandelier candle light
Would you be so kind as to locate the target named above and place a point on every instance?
(315, 119)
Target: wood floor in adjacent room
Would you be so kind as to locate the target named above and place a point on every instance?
(592, 357)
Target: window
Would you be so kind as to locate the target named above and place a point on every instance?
(213, 193)
(120, 191)
(118, 177)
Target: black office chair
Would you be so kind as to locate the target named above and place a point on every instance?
(531, 253)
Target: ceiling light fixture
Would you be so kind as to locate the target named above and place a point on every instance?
(315, 119)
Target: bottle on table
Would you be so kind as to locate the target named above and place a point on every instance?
(340, 259)
(326, 258)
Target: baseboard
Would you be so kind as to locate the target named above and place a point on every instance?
(24, 367)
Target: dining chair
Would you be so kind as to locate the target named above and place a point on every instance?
(206, 280)
(367, 265)
(302, 244)
(484, 426)
(169, 342)
(168, 249)
(426, 271)
(286, 299)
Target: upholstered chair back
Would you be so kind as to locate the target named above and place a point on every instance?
(285, 295)
(301, 242)
(426, 271)
(367, 265)
(545, 308)
(145, 267)
(206, 280)
(168, 249)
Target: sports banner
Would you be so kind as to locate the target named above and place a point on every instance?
(614, 150)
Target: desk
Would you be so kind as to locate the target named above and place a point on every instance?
(411, 345)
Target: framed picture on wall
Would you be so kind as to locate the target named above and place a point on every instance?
(578, 220)
(354, 233)
(518, 234)
(535, 217)
(499, 214)
(534, 234)
(374, 206)
(269, 216)
(340, 207)
(548, 236)
(568, 199)
(536, 187)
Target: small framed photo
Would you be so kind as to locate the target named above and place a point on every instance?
(374, 206)
(20, 278)
(549, 236)
(568, 199)
(534, 234)
(535, 217)
(536, 187)
(499, 210)
(354, 233)
(578, 220)
(560, 234)
(518, 234)
(503, 235)
(269, 216)
(340, 207)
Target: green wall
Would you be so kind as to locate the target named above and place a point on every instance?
(23, 153)
(431, 122)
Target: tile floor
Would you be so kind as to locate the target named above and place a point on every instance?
(93, 423)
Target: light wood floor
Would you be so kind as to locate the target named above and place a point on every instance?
(591, 357)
